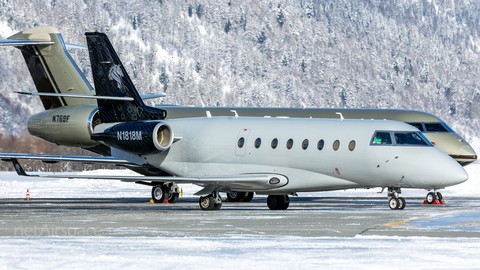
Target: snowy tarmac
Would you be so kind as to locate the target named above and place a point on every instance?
(111, 224)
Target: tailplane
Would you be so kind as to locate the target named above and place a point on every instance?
(111, 79)
(51, 66)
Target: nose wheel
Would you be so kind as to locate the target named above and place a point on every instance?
(434, 198)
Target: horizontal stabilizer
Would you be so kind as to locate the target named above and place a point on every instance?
(77, 96)
(152, 96)
(17, 42)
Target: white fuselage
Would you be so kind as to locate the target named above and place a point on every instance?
(210, 147)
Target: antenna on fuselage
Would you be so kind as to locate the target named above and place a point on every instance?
(341, 115)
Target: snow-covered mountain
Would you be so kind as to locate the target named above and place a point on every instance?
(414, 54)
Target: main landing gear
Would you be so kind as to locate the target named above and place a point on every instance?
(278, 202)
(163, 192)
(211, 202)
(434, 198)
(233, 196)
(394, 200)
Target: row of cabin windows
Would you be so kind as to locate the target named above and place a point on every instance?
(289, 145)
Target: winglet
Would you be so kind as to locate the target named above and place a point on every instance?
(18, 167)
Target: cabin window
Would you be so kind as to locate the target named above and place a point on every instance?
(351, 145)
(305, 144)
(320, 144)
(241, 142)
(336, 145)
(381, 138)
(417, 125)
(435, 127)
(410, 138)
(274, 143)
(290, 144)
(258, 142)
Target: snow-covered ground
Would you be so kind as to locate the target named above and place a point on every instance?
(245, 253)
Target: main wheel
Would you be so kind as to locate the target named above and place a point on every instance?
(235, 196)
(207, 202)
(173, 197)
(159, 193)
(217, 206)
(248, 196)
(393, 203)
(285, 202)
(278, 202)
(430, 197)
(439, 196)
(402, 203)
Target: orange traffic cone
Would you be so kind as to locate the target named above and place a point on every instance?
(28, 195)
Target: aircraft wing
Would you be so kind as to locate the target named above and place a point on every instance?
(260, 181)
(80, 159)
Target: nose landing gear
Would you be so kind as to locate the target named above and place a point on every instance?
(434, 198)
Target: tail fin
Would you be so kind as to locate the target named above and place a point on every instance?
(111, 79)
(51, 66)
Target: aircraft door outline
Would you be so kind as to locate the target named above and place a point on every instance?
(243, 133)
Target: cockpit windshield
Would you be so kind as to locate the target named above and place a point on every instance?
(432, 127)
(410, 138)
(382, 138)
(399, 138)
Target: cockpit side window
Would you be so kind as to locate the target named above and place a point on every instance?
(410, 138)
(381, 138)
(435, 127)
(417, 125)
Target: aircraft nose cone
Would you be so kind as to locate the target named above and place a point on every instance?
(454, 174)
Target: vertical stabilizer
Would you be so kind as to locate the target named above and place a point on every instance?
(111, 79)
(51, 66)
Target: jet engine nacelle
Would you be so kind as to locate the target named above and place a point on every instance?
(136, 138)
(68, 126)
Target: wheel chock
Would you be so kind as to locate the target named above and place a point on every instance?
(442, 201)
(425, 202)
(152, 201)
(166, 201)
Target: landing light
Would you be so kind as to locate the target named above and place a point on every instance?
(274, 181)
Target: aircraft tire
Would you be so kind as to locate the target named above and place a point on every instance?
(248, 196)
(233, 196)
(393, 203)
(402, 203)
(207, 202)
(159, 193)
(439, 196)
(217, 206)
(430, 197)
(173, 197)
(278, 202)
